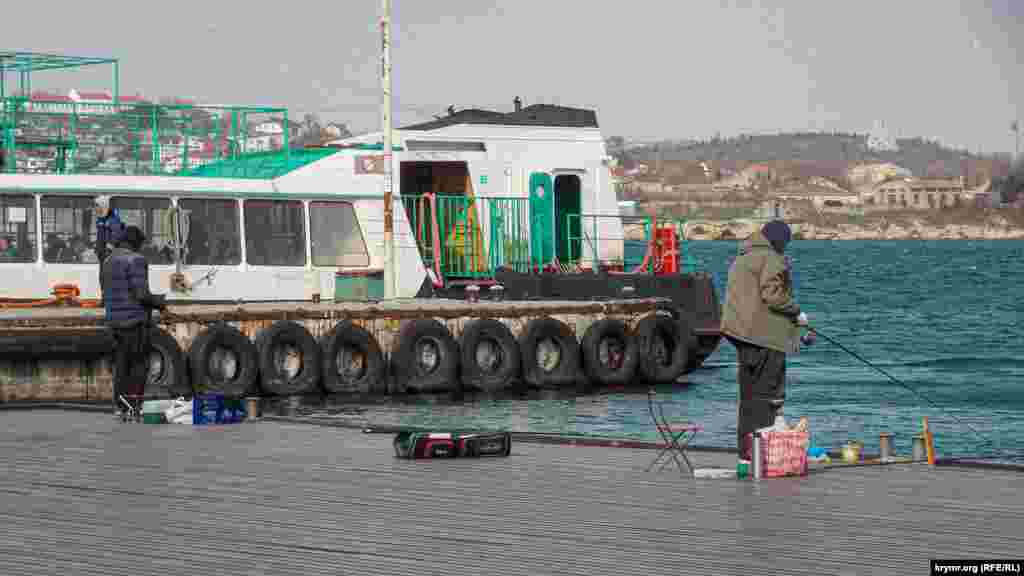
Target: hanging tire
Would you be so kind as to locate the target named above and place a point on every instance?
(490, 356)
(550, 354)
(167, 375)
(706, 346)
(663, 348)
(352, 361)
(610, 354)
(427, 358)
(223, 361)
(289, 359)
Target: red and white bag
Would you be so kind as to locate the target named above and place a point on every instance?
(784, 453)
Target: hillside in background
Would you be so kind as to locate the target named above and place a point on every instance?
(825, 154)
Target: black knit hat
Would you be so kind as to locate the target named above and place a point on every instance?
(778, 234)
(132, 238)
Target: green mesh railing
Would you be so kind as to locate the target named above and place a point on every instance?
(475, 235)
(66, 137)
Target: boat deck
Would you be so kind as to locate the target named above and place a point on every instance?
(84, 494)
(398, 309)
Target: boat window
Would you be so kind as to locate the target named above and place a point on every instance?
(335, 234)
(275, 234)
(151, 216)
(69, 230)
(17, 229)
(214, 234)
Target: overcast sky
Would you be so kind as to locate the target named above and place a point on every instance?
(651, 68)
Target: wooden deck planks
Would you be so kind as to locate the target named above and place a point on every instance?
(83, 494)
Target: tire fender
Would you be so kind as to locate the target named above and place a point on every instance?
(509, 362)
(167, 376)
(624, 367)
(566, 371)
(369, 378)
(410, 374)
(274, 379)
(650, 328)
(221, 335)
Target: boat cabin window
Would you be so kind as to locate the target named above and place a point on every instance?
(69, 230)
(151, 216)
(335, 235)
(214, 233)
(17, 229)
(275, 233)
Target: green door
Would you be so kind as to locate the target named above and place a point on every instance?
(542, 213)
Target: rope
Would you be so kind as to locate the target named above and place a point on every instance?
(988, 441)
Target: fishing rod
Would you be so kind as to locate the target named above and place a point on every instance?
(903, 384)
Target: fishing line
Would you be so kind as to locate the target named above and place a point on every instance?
(904, 385)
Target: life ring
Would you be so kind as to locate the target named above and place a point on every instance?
(427, 358)
(352, 360)
(288, 358)
(224, 361)
(664, 349)
(167, 376)
(610, 354)
(490, 355)
(550, 354)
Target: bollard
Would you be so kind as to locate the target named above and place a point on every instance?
(252, 409)
(919, 452)
(497, 292)
(885, 449)
(472, 293)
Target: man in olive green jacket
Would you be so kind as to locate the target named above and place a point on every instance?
(763, 322)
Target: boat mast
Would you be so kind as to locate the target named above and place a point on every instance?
(389, 232)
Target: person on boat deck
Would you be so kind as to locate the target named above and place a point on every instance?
(762, 320)
(128, 305)
(109, 229)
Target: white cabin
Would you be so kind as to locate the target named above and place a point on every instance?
(525, 189)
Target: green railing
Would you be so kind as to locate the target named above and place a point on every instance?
(587, 244)
(591, 245)
(474, 235)
(62, 137)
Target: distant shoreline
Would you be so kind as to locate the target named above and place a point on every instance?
(725, 230)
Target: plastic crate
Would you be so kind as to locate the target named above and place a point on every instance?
(216, 409)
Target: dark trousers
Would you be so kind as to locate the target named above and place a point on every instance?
(131, 362)
(761, 375)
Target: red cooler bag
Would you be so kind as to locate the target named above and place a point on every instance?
(784, 453)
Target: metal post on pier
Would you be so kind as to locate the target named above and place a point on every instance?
(389, 231)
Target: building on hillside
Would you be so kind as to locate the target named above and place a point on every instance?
(759, 172)
(872, 174)
(822, 198)
(918, 194)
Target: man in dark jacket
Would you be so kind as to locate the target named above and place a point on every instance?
(128, 304)
(763, 322)
(109, 229)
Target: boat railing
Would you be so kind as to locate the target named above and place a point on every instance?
(609, 242)
(52, 136)
(624, 243)
(469, 237)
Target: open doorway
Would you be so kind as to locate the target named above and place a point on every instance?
(568, 206)
(460, 250)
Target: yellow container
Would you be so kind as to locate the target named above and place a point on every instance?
(852, 452)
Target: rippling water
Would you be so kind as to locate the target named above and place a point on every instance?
(942, 316)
